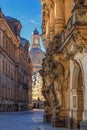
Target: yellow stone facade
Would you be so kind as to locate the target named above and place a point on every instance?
(37, 97)
(15, 66)
(64, 72)
(36, 55)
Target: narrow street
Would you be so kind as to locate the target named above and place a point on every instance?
(21, 120)
(25, 121)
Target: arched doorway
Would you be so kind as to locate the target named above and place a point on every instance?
(77, 93)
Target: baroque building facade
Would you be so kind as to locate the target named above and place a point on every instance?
(36, 55)
(64, 69)
(37, 97)
(15, 66)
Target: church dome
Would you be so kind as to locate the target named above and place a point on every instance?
(36, 55)
(35, 32)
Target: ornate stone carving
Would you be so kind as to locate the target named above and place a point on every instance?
(60, 86)
(79, 2)
(51, 3)
(80, 38)
(81, 16)
(77, 43)
(55, 76)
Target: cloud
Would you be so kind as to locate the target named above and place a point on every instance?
(34, 22)
(28, 20)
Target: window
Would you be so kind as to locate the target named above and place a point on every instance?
(6, 70)
(3, 66)
(74, 102)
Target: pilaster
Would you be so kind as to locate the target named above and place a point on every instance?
(1, 38)
(59, 15)
(52, 20)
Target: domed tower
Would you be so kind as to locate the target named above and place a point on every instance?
(35, 39)
(36, 54)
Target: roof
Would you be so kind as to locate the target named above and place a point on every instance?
(36, 55)
(11, 18)
(35, 32)
(36, 50)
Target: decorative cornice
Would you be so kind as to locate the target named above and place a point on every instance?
(76, 43)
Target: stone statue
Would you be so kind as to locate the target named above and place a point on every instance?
(60, 86)
(79, 2)
(55, 79)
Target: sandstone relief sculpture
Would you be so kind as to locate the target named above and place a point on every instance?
(55, 78)
(80, 39)
(60, 86)
(79, 2)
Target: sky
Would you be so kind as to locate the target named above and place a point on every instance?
(28, 12)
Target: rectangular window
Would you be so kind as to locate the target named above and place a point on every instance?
(3, 66)
(74, 102)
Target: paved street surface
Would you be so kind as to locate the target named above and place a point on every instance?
(20, 121)
(24, 121)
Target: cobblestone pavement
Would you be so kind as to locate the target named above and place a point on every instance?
(24, 121)
(21, 121)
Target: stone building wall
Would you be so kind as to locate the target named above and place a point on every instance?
(24, 80)
(64, 33)
(36, 55)
(14, 65)
(37, 97)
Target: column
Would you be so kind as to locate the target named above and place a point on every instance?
(47, 22)
(52, 21)
(48, 27)
(59, 15)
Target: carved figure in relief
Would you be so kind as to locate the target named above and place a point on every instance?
(80, 39)
(47, 82)
(60, 83)
(79, 1)
(56, 80)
